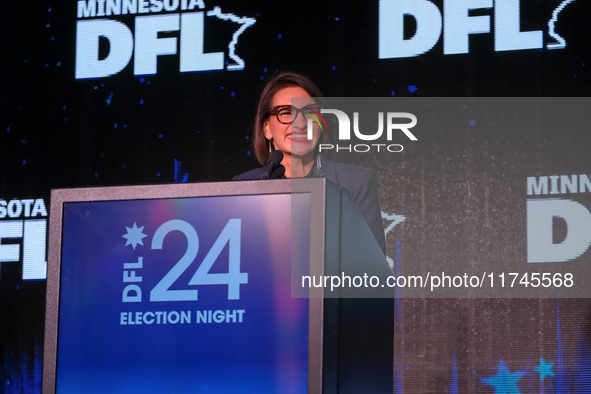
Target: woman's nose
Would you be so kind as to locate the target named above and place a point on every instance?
(300, 121)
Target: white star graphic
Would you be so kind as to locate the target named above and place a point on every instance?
(134, 236)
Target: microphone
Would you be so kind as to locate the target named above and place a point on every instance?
(273, 163)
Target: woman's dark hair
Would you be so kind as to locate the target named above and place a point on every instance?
(280, 81)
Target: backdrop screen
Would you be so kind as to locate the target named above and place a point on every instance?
(103, 93)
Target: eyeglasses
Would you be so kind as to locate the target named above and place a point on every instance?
(287, 114)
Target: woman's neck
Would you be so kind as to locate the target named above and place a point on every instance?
(297, 166)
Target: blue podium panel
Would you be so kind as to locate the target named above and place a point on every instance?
(181, 295)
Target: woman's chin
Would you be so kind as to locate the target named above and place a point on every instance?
(301, 151)
(298, 147)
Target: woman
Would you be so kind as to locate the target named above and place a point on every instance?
(280, 126)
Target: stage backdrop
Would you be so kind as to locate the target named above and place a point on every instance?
(133, 92)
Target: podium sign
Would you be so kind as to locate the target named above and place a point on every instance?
(179, 288)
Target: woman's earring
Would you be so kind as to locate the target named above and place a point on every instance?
(270, 145)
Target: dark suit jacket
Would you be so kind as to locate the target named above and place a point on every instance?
(360, 182)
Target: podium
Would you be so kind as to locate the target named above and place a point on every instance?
(197, 288)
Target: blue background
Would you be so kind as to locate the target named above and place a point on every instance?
(267, 352)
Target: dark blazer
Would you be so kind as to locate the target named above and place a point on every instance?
(360, 182)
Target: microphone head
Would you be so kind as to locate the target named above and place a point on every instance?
(275, 157)
(278, 172)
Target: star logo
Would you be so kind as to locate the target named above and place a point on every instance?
(544, 369)
(134, 236)
(504, 382)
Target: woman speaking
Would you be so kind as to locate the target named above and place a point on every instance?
(282, 127)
